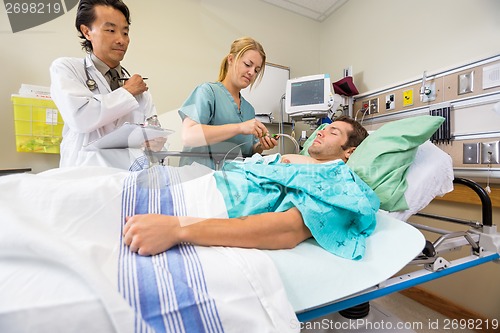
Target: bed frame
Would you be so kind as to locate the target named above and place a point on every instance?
(482, 237)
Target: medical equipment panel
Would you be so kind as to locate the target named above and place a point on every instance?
(309, 96)
(468, 96)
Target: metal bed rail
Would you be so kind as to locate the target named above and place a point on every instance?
(487, 212)
(396, 284)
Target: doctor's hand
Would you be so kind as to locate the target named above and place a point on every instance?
(156, 144)
(135, 85)
(151, 234)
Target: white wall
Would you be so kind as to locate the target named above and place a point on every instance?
(176, 43)
(391, 41)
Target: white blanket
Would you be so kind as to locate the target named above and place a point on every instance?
(60, 253)
(60, 248)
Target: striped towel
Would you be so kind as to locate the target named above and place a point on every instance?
(168, 291)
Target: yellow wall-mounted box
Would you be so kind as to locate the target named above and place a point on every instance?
(38, 125)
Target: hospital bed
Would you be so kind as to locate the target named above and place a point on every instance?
(64, 269)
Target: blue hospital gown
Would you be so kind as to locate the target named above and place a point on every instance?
(336, 205)
(212, 104)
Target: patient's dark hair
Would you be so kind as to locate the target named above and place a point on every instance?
(356, 136)
(86, 16)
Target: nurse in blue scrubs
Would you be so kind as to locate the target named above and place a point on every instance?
(216, 119)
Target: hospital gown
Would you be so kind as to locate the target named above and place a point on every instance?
(336, 205)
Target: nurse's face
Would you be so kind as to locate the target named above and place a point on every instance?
(245, 70)
(108, 35)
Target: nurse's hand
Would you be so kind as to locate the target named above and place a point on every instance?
(268, 142)
(135, 85)
(253, 127)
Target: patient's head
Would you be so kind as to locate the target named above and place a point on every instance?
(337, 140)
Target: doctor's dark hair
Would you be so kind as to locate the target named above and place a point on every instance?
(238, 48)
(86, 15)
(356, 136)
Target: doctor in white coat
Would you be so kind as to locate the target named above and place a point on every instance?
(92, 102)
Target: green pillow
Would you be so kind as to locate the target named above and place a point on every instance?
(383, 158)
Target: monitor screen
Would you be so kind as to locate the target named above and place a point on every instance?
(308, 95)
(307, 92)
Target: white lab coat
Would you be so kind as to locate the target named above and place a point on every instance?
(89, 115)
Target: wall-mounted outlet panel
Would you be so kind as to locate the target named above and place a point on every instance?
(390, 102)
(471, 153)
(490, 152)
(491, 76)
(373, 105)
(431, 95)
(466, 83)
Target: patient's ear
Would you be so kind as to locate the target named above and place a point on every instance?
(348, 152)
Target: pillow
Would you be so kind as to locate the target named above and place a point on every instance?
(383, 158)
(430, 175)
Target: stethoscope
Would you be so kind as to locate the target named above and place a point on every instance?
(90, 81)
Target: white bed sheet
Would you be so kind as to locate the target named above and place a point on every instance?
(59, 248)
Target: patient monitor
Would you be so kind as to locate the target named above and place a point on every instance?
(310, 98)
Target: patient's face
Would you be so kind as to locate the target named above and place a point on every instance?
(328, 144)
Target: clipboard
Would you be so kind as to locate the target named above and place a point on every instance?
(128, 136)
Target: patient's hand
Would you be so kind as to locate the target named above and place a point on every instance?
(298, 159)
(151, 234)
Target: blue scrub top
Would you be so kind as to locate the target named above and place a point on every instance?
(212, 104)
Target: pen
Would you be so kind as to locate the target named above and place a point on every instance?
(126, 78)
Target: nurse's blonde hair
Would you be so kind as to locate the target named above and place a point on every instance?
(238, 48)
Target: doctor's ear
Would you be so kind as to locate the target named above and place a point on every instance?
(85, 31)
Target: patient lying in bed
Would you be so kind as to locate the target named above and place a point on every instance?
(382, 162)
(273, 205)
(59, 244)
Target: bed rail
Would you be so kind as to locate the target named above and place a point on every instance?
(435, 266)
(487, 215)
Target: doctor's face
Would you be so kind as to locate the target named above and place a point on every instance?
(108, 35)
(329, 141)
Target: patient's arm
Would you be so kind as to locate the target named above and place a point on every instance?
(151, 234)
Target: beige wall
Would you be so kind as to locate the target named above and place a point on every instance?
(179, 43)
